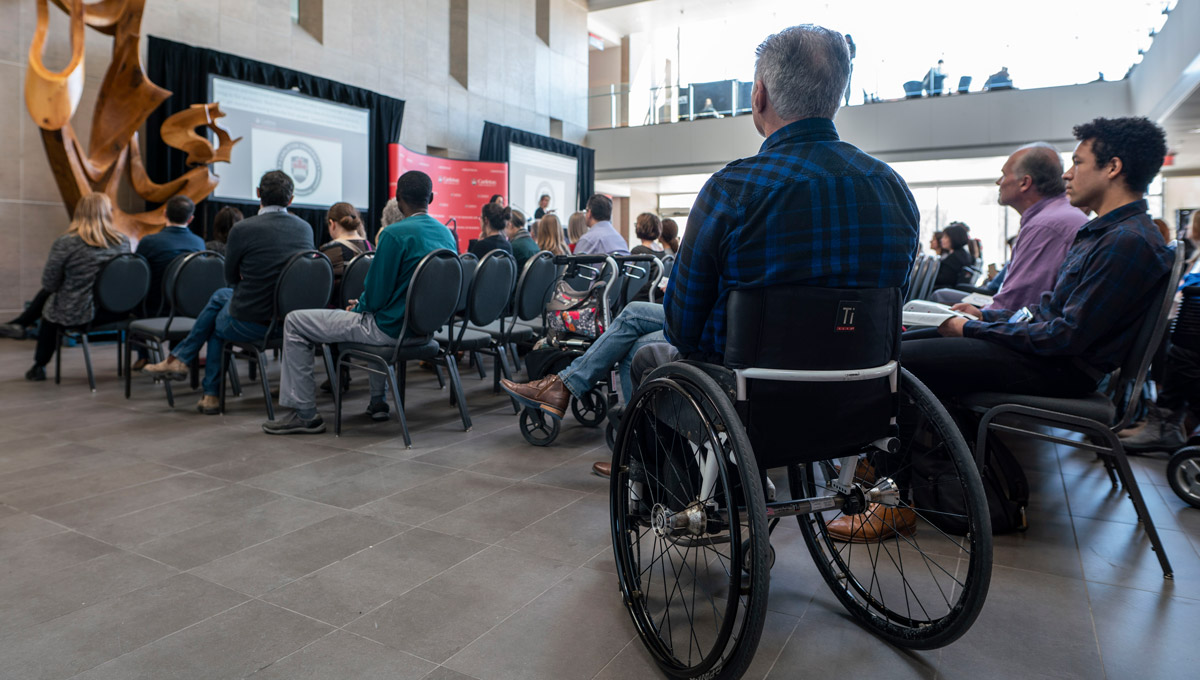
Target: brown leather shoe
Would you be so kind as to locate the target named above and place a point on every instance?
(602, 468)
(548, 394)
(878, 523)
(139, 365)
(171, 369)
(209, 405)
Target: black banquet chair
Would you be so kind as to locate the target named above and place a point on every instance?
(431, 300)
(354, 279)
(1097, 414)
(306, 282)
(120, 287)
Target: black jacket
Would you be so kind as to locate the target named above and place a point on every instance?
(258, 248)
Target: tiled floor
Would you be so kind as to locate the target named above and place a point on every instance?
(138, 541)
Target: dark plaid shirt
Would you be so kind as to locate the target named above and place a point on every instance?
(1104, 286)
(808, 209)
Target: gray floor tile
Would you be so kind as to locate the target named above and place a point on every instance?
(1048, 545)
(1119, 554)
(1032, 624)
(346, 590)
(91, 511)
(541, 641)
(253, 458)
(576, 473)
(372, 485)
(73, 643)
(230, 645)
(443, 673)
(504, 513)
(132, 529)
(433, 499)
(18, 527)
(343, 655)
(572, 535)
(1093, 497)
(439, 618)
(319, 473)
(1145, 635)
(102, 481)
(213, 540)
(280, 561)
(42, 556)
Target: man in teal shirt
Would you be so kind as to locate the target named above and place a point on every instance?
(376, 318)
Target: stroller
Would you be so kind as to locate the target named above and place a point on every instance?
(589, 292)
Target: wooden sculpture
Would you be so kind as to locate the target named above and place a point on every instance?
(126, 100)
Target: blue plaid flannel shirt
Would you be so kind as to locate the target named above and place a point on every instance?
(808, 209)
(1104, 286)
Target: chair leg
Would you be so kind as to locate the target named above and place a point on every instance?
(266, 385)
(437, 370)
(336, 382)
(226, 363)
(392, 380)
(456, 392)
(478, 361)
(235, 382)
(128, 377)
(120, 344)
(87, 360)
(403, 372)
(194, 372)
(58, 357)
(252, 370)
(329, 372)
(1139, 503)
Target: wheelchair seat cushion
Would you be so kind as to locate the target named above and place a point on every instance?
(1096, 406)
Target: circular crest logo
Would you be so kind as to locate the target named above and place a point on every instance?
(303, 164)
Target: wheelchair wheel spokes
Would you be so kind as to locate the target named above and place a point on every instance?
(681, 537)
(922, 584)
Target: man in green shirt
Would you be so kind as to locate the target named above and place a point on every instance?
(376, 318)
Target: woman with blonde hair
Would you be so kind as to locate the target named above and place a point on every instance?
(576, 228)
(550, 235)
(70, 275)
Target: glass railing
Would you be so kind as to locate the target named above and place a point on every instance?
(619, 105)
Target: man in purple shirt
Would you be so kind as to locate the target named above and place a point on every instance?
(601, 238)
(1031, 183)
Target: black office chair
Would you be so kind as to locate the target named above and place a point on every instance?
(189, 282)
(305, 282)
(485, 302)
(354, 279)
(120, 287)
(914, 89)
(431, 299)
(1100, 415)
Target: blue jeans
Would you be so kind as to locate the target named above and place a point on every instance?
(638, 325)
(214, 326)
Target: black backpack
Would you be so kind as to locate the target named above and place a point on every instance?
(936, 488)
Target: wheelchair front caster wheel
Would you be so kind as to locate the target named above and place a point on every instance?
(591, 410)
(610, 436)
(1183, 472)
(538, 428)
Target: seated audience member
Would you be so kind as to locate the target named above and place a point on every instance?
(70, 275)
(345, 225)
(1163, 229)
(222, 224)
(390, 215)
(935, 244)
(161, 248)
(375, 319)
(496, 219)
(648, 228)
(523, 245)
(258, 249)
(601, 238)
(953, 268)
(576, 228)
(1031, 183)
(550, 236)
(498, 198)
(743, 227)
(669, 238)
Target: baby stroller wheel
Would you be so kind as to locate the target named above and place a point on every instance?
(591, 409)
(538, 428)
(1183, 472)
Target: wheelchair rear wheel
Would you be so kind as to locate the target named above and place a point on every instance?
(591, 409)
(689, 526)
(924, 582)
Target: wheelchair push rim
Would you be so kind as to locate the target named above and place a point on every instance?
(671, 531)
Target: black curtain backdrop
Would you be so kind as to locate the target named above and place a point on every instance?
(494, 147)
(184, 70)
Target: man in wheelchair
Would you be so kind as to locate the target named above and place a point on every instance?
(808, 210)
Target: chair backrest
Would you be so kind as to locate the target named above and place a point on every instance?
(913, 89)
(354, 278)
(432, 294)
(122, 283)
(533, 288)
(493, 279)
(1145, 344)
(194, 281)
(819, 331)
(306, 282)
(964, 84)
(928, 276)
(470, 263)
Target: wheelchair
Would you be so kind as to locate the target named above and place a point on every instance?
(859, 437)
(611, 281)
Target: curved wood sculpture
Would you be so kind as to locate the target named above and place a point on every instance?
(126, 100)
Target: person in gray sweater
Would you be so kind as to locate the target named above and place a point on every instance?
(70, 275)
(257, 250)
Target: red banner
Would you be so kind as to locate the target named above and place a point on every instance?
(460, 188)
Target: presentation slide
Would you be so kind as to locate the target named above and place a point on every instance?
(323, 146)
(533, 174)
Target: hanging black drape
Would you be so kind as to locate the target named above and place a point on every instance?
(494, 147)
(184, 70)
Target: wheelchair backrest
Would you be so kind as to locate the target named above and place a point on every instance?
(803, 328)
